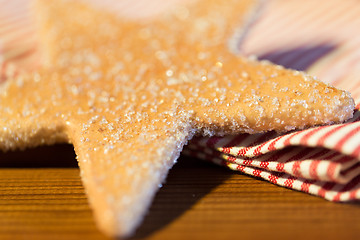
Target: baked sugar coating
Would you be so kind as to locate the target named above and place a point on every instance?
(129, 94)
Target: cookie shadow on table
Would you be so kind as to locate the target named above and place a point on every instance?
(299, 58)
(188, 182)
(55, 156)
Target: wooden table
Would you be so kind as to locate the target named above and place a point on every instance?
(41, 197)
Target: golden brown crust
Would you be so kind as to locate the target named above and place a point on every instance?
(129, 95)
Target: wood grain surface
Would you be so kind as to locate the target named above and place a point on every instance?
(41, 197)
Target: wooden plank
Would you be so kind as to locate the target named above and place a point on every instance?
(41, 197)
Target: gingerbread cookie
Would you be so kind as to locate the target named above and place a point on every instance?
(129, 94)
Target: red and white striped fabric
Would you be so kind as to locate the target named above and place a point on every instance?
(317, 36)
(323, 161)
(17, 38)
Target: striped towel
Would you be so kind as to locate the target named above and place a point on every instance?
(317, 36)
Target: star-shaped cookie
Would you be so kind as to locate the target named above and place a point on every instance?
(129, 94)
